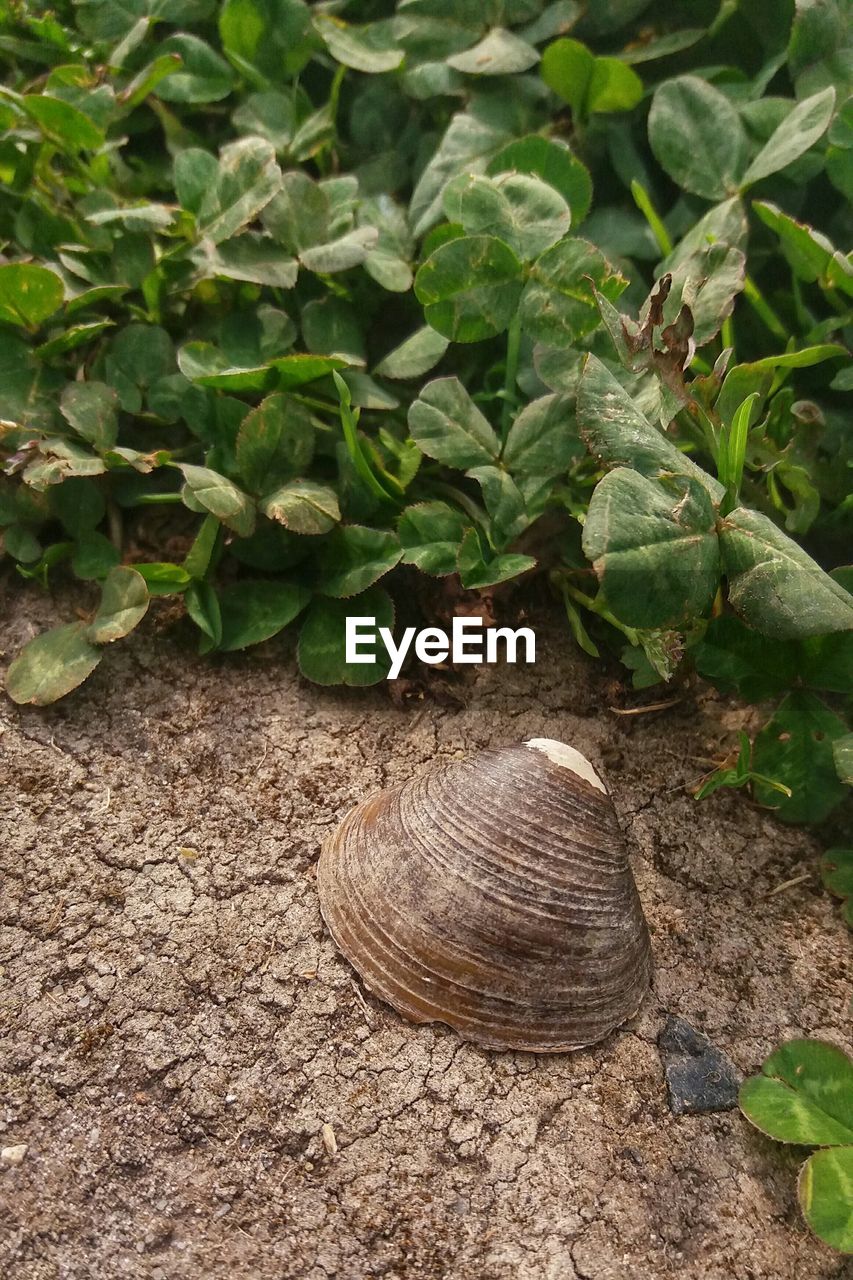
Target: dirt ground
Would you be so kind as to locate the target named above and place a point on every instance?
(178, 1026)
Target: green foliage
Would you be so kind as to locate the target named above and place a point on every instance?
(322, 654)
(124, 603)
(59, 660)
(698, 137)
(653, 545)
(589, 84)
(447, 425)
(52, 665)
(470, 287)
(251, 611)
(805, 1096)
(837, 869)
(796, 745)
(479, 292)
(739, 774)
(28, 294)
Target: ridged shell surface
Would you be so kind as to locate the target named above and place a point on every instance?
(493, 894)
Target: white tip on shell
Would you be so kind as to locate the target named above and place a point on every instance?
(568, 758)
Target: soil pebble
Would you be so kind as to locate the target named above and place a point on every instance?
(699, 1077)
(14, 1155)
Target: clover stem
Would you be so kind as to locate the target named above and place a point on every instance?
(315, 402)
(763, 309)
(834, 297)
(592, 603)
(154, 499)
(349, 425)
(643, 202)
(803, 319)
(467, 504)
(727, 333)
(513, 344)
(115, 524)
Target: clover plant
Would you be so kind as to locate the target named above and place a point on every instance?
(298, 302)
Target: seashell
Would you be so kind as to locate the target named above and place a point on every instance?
(493, 894)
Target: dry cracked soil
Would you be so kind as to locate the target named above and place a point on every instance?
(178, 1027)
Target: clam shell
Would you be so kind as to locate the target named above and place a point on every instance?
(493, 894)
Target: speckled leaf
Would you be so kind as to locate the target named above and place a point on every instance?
(825, 1190)
(446, 425)
(124, 603)
(708, 281)
(389, 263)
(414, 356)
(558, 306)
(800, 129)
(795, 748)
(250, 257)
(347, 251)
(52, 665)
(248, 179)
(369, 48)
(430, 534)
(725, 223)
(354, 557)
(221, 497)
(618, 433)
(274, 443)
(28, 294)
(804, 1094)
(57, 459)
(299, 214)
(654, 546)
(470, 288)
(90, 408)
(466, 146)
(552, 161)
(543, 438)
(303, 506)
(774, 585)
(523, 212)
(498, 53)
(697, 136)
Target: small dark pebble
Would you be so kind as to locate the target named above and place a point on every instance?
(699, 1077)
